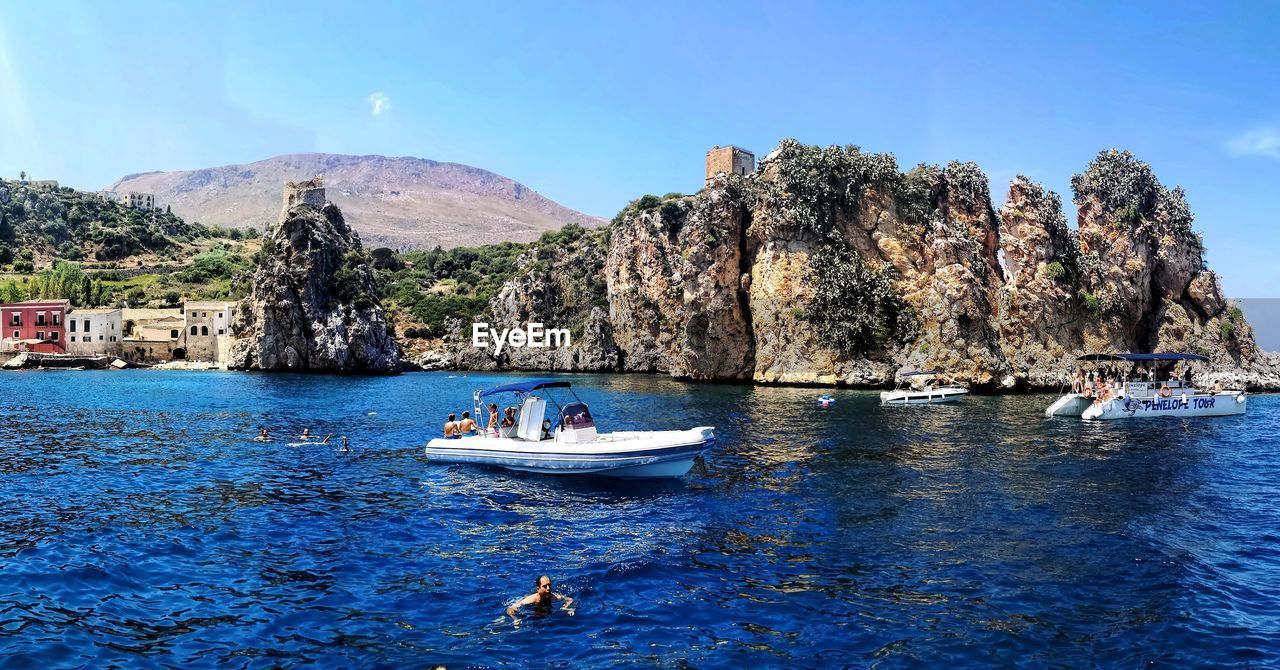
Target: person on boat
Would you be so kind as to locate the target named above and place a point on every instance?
(509, 419)
(467, 426)
(493, 418)
(541, 600)
(451, 431)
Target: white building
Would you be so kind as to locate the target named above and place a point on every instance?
(138, 200)
(94, 331)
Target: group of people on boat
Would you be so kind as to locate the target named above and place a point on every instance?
(1107, 382)
(455, 429)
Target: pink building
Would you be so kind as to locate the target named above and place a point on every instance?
(35, 325)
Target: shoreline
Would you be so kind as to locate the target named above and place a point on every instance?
(207, 366)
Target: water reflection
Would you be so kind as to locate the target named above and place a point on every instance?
(146, 528)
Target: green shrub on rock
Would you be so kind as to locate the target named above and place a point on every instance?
(855, 308)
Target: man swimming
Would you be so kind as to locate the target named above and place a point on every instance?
(541, 600)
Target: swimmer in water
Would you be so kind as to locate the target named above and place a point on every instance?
(263, 436)
(541, 600)
(345, 446)
(306, 434)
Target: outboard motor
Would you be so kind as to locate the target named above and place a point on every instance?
(576, 424)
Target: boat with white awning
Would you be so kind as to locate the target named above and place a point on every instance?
(570, 443)
(914, 389)
(1134, 385)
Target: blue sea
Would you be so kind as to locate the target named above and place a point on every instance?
(143, 527)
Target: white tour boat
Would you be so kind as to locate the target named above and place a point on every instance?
(571, 445)
(928, 394)
(1157, 395)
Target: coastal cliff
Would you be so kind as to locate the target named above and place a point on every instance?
(832, 266)
(313, 306)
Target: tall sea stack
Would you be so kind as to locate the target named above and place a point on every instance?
(313, 306)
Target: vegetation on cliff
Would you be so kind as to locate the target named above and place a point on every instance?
(855, 308)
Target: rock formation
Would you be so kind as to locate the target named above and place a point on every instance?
(313, 306)
(831, 266)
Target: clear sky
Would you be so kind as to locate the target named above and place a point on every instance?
(596, 103)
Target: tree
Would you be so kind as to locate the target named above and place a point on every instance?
(22, 176)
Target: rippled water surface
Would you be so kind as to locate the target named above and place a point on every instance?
(143, 528)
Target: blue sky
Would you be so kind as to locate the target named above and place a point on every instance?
(594, 104)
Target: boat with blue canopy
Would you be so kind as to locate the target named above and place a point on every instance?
(565, 441)
(1143, 385)
(914, 389)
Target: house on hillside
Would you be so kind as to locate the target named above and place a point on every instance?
(94, 332)
(208, 333)
(152, 335)
(34, 325)
(137, 200)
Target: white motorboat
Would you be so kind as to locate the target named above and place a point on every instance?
(1160, 394)
(571, 445)
(908, 393)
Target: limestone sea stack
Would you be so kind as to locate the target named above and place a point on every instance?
(313, 306)
(831, 266)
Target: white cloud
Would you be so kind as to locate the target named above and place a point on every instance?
(379, 102)
(1259, 142)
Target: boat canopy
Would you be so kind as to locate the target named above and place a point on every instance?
(1135, 358)
(918, 373)
(525, 386)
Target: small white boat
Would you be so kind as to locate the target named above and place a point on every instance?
(571, 445)
(1137, 398)
(928, 394)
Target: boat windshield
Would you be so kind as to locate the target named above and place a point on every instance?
(576, 415)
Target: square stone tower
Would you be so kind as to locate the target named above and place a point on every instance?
(730, 160)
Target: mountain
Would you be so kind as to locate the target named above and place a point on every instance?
(390, 201)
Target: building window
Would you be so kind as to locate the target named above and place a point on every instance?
(204, 315)
(221, 331)
(113, 338)
(173, 334)
(40, 319)
(54, 336)
(86, 324)
(57, 318)
(39, 334)
(73, 338)
(204, 330)
(99, 338)
(193, 330)
(16, 335)
(17, 320)
(73, 327)
(219, 315)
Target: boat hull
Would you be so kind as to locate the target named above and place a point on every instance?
(625, 455)
(1226, 403)
(1072, 404)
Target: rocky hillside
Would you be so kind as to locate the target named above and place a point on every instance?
(831, 266)
(39, 224)
(392, 202)
(313, 306)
